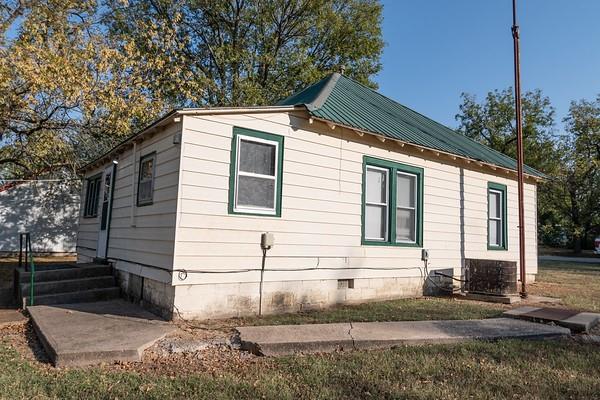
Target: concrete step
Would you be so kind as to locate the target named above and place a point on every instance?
(83, 296)
(69, 285)
(74, 272)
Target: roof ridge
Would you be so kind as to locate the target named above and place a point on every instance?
(321, 98)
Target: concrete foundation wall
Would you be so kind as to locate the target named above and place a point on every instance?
(241, 299)
(155, 296)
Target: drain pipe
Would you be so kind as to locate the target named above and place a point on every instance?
(267, 240)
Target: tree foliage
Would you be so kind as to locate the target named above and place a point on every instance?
(242, 52)
(569, 200)
(78, 75)
(493, 123)
(64, 90)
(572, 196)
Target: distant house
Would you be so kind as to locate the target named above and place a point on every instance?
(352, 185)
(49, 210)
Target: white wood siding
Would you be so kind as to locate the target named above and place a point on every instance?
(320, 224)
(150, 240)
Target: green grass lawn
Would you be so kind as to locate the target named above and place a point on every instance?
(577, 284)
(394, 310)
(505, 369)
(484, 370)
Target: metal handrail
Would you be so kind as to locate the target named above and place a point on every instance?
(27, 261)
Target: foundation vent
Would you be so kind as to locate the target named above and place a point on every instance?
(345, 283)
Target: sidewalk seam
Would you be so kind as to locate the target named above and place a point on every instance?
(352, 337)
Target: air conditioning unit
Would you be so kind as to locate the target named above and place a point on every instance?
(491, 277)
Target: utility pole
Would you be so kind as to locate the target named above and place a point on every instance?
(518, 112)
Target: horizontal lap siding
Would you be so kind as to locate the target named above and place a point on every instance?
(320, 223)
(151, 240)
(87, 230)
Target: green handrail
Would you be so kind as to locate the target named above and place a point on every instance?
(32, 282)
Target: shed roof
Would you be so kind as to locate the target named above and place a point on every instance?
(343, 101)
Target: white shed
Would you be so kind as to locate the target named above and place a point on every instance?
(47, 209)
(352, 185)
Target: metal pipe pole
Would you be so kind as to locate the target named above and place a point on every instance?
(518, 114)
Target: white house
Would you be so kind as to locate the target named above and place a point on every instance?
(48, 209)
(352, 185)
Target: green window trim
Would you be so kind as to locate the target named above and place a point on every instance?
(250, 133)
(492, 186)
(92, 196)
(393, 168)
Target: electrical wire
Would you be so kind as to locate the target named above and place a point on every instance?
(434, 283)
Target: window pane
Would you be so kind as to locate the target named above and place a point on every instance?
(494, 204)
(145, 191)
(495, 233)
(405, 225)
(257, 158)
(405, 190)
(376, 186)
(256, 192)
(106, 186)
(147, 169)
(375, 221)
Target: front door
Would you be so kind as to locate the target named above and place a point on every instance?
(107, 188)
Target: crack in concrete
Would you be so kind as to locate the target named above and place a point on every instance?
(352, 337)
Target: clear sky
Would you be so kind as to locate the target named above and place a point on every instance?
(436, 49)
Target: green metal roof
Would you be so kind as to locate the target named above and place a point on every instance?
(343, 101)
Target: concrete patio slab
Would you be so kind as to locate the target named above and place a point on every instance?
(91, 333)
(289, 339)
(9, 317)
(506, 299)
(574, 320)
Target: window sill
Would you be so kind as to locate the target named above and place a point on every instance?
(254, 214)
(497, 248)
(90, 216)
(144, 204)
(388, 244)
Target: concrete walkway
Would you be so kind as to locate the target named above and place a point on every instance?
(90, 333)
(289, 339)
(574, 320)
(586, 260)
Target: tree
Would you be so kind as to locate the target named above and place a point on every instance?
(244, 52)
(569, 200)
(78, 76)
(64, 93)
(573, 193)
(493, 123)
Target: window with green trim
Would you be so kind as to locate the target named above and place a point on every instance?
(392, 209)
(255, 173)
(497, 234)
(92, 196)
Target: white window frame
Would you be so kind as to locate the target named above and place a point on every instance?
(500, 219)
(415, 209)
(275, 178)
(386, 205)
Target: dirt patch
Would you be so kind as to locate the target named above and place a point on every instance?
(23, 339)
(213, 354)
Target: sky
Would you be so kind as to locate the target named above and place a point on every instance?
(437, 49)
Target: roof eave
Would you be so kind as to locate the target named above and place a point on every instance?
(383, 138)
(172, 116)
